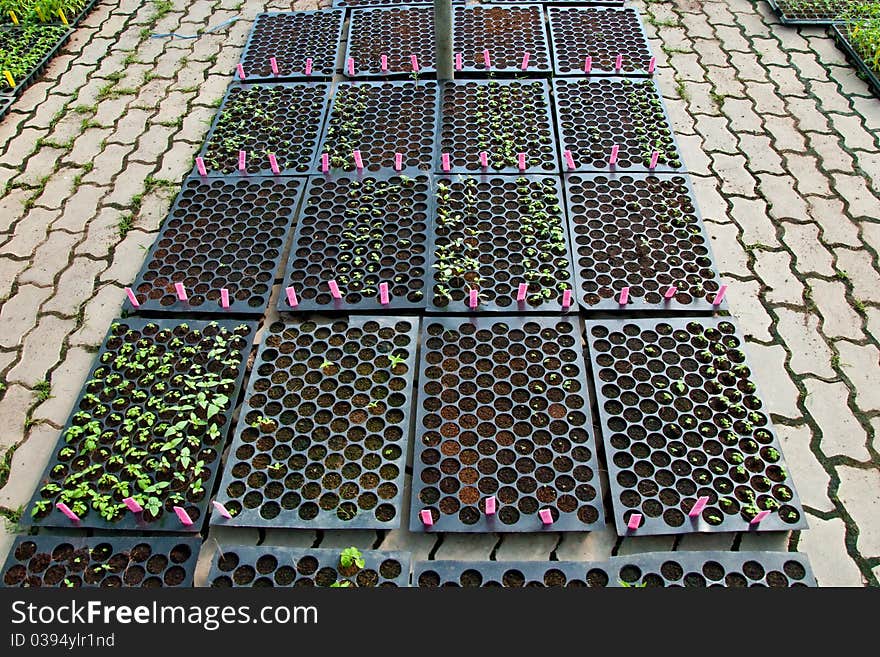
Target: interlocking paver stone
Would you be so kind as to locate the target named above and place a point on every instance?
(841, 432)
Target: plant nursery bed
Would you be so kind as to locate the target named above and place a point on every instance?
(292, 39)
(282, 118)
(380, 120)
(321, 442)
(653, 569)
(25, 12)
(149, 424)
(644, 233)
(503, 414)
(602, 34)
(268, 566)
(26, 51)
(809, 12)
(501, 118)
(361, 232)
(493, 234)
(221, 233)
(841, 38)
(62, 561)
(683, 424)
(582, 3)
(596, 114)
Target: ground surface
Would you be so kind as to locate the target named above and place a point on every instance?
(781, 138)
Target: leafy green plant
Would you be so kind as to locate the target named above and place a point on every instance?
(351, 556)
(862, 30)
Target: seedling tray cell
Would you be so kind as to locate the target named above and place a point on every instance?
(321, 442)
(595, 114)
(396, 32)
(381, 119)
(61, 561)
(500, 117)
(268, 566)
(601, 33)
(220, 233)
(682, 420)
(841, 37)
(150, 423)
(40, 43)
(503, 412)
(644, 232)
(813, 12)
(494, 233)
(507, 32)
(282, 118)
(360, 231)
(292, 38)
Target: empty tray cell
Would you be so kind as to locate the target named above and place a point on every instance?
(361, 232)
(507, 33)
(602, 34)
(150, 425)
(293, 38)
(684, 425)
(595, 115)
(62, 561)
(283, 119)
(398, 33)
(493, 234)
(502, 118)
(322, 438)
(503, 415)
(269, 566)
(221, 233)
(380, 120)
(642, 232)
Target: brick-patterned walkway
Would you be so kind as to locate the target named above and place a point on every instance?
(779, 134)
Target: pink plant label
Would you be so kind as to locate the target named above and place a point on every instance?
(183, 516)
(588, 64)
(358, 160)
(566, 298)
(522, 291)
(426, 517)
(569, 159)
(414, 61)
(273, 164)
(521, 161)
(444, 162)
(383, 294)
(325, 162)
(133, 506)
(670, 292)
(618, 63)
(351, 66)
(473, 299)
(181, 292)
(458, 64)
(615, 151)
(398, 161)
(383, 63)
(698, 506)
(132, 298)
(273, 63)
(292, 301)
(634, 521)
(334, 290)
(546, 516)
(652, 64)
(309, 66)
(242, 161)
(758, 518)
(222, 510)
(240, 69)
(487, 61)
(720, 296)
(224, 297)
(200, 165)
(525, 62)
(490, 506)
(624, 296)
(61, 506)
(655, 157)
(484, 159)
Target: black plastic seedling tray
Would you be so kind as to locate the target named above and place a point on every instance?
(361, 232)
(507, 32)
(681, 420)
(583, 3)
(653, 569)
(321, 440)
(797, 12)
(269, 566)
(380, 120)
(380, 3)
(282, 118)
(396, 32)
(494, 233)
(503, 412)
(5, 104)
(292, 38)
(221, 233)
(644, 232)
(502, 118)
(595, 114)
(840, 37)
(601, 33)
(63, 561)
(203, 346)
(14, 33)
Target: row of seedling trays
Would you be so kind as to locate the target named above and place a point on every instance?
(515, 39)
(59, 561)
(31, 34)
